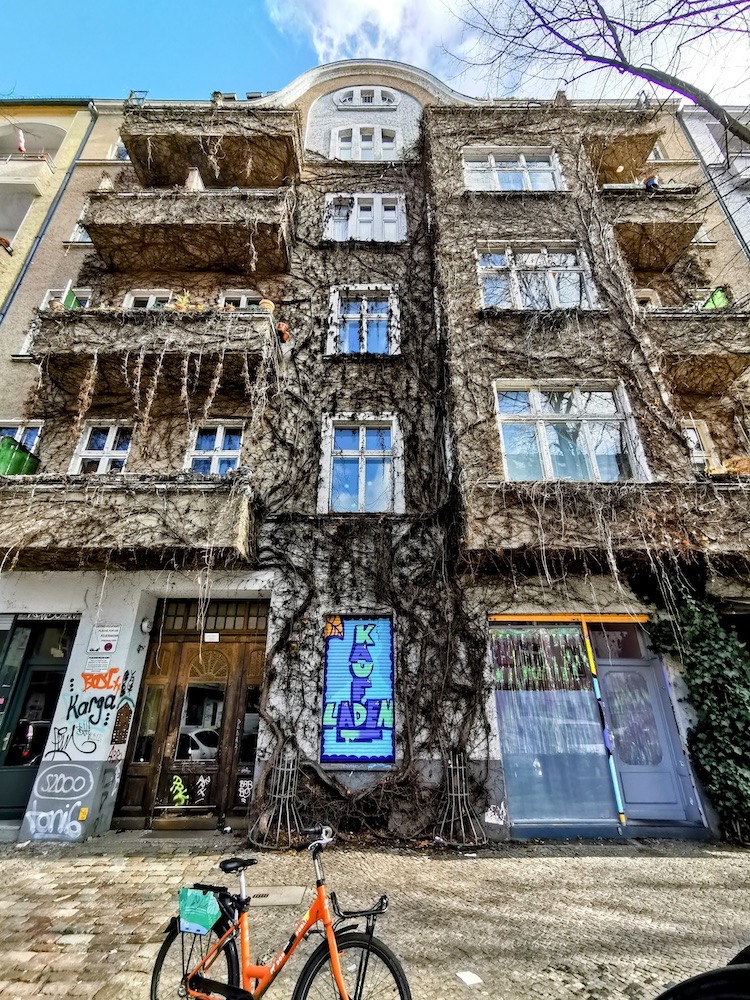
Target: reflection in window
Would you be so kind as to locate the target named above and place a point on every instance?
(571, 433)
(144, 744)
(632, 723)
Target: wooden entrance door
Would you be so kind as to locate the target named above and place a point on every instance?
(192, 754)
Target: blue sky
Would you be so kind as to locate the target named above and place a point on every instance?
(172, 48)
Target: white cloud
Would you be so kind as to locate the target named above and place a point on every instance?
(428, 34)
(424, 33)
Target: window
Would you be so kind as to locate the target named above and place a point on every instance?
(558, 431)
(501, 169)
(702, 450)
(364, 144)
(345, 144)
(26, 433)
(118, 152)
(535, 279)
(79, 234)
(362, 465)
(377, 217)
(366, 98)
(147, 298)
(240, 299)
(216, 450)
(657, 153)
(365, 320)
(66, 298)
(103, 448)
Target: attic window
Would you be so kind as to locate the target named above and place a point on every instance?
(366, 97)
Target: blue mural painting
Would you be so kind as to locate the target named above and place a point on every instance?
(358, 692)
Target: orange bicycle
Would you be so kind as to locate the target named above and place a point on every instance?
(204, 963)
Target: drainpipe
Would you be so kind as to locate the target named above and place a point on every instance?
(714, 186)
(50, 212)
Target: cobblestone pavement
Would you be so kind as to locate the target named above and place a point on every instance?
(565, 921)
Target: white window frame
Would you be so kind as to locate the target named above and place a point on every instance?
(363, 292)
(384, 99)
(353, 204)
(82, 294)
(355, 145)
(706, 456)
(79, 234)
(493, 155)
(647, 298)
(218, 452)
(107, 454)
(115, 151)
(537, 419)
(512, 269)
(361, 420)
(20, 430)
(248, 298)
(152, 294)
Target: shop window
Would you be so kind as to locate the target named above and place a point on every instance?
(554, 754)
(364, 320)
(216, 449)
(103, 448)
(362, 466)
(379, 218)
(27, 433)
(538, 278)
(554, 431)
(358, 716)
(506, 169)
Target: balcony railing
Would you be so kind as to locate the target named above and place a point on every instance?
(679, 519)
(31, 172)
(59, 522)
(154, 331)
(258, 147)
(244, 232)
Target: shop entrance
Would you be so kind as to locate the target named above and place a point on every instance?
(191, 759)
(32, 668)
(586, 726)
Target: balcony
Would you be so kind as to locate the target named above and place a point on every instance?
(242, 232)
(705, 351)
(682, 519)
(66, 342)
(71, 522)
(30, 173)
(231, 147)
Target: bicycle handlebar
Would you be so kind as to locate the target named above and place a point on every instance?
(323, 834)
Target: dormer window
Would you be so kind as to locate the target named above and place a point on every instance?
(366, 97)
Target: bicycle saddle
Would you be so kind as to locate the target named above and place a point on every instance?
(230, 865)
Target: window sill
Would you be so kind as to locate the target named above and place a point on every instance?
(495, 312)
(363, 358)
(383, 246)
(517, 194)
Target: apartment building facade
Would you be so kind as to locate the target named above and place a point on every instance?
(362, 412)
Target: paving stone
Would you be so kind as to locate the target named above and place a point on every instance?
(601, 921)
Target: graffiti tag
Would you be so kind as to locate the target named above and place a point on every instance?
(54, 824)
(107, 681)
(178, 791)
(64, 781)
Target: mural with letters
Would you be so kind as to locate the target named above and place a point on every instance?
(358, 691)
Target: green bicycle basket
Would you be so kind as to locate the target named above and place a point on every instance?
(199, 911)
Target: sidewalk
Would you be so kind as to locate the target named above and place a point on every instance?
(565, 921)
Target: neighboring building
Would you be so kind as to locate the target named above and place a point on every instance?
(333, 391)
(38, 142)
(726, 160)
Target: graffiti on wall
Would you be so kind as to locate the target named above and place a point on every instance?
(358, 691)
(85, 711)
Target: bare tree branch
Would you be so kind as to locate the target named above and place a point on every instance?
(624, 35)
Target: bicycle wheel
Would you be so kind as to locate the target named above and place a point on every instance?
(180, 953)
(730, 983)
(371, 972)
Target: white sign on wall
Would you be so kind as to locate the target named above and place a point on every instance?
(104, 638)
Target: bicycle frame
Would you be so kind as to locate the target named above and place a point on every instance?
(264, 975)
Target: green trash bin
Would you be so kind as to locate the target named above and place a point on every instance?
(16, 459)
